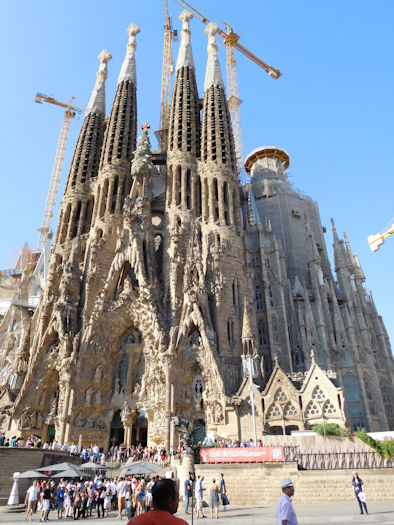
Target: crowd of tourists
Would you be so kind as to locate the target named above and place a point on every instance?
(117, 454)
(80, 499)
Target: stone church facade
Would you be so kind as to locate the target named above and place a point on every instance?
(164, 272)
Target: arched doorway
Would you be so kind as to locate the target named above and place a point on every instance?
(116, 437)
(140, 430)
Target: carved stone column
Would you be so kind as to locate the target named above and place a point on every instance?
(128, 417)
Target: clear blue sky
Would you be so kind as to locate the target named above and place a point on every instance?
(332, 110)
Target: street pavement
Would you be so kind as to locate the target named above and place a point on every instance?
(340, 513)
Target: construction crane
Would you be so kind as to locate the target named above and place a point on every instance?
(375, 241)
(70, 112)
(231, 41)
(168, 69)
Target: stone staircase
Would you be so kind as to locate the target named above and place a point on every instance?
(259, 484)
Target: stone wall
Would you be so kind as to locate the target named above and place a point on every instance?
(22, 459)
(259, 484)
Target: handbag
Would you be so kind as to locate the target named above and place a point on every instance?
(361, 496)
(225, 500)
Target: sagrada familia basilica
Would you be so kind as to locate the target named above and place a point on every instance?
(166, 275)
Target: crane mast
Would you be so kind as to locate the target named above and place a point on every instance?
(69, 114)
(167, 71)
(230, 39)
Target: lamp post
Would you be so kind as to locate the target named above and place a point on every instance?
(248, 360)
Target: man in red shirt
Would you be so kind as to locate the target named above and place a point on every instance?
(165, 499)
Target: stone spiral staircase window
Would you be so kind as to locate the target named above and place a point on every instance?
(318, 394)
(280, 396)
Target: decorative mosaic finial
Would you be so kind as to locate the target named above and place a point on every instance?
(185, 56)
(128, 70)
(213, 74)
(97, 98)
(142, 162)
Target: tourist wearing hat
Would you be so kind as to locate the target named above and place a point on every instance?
(285, 514)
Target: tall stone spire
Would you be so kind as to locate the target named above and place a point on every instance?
(184, 132)
(77, 205)
(128, 70)
(217, 142)
(121, 136)
(97, 99)
(247, 332)
(185, 55)
(340, 256)
(213, 73)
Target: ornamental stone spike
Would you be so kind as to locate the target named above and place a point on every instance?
(128, 70)
(97, 98)
(213, 74)
(185, 55)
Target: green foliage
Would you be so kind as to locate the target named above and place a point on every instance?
(331, 429)
(385, 449)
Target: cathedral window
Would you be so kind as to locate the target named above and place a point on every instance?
(198, 196)
(188, 189)
(274, 412)
(262, 333)
(290, 410)
(259, 298)
(14, 326)
(353, 395)
(230, 331)
(387, 400)
(312, 409)
(65, 224)
(37, 290)
(275, 330)
(114, 194)
(215, 197)
(367, 383)
(88, 216)
(206, 200)
(76, 220)
(225, 203)
(328, 408)
(169, 185)
(271, 296)
(318, 394)
(280, 396)
(178, 186)
(104, 198)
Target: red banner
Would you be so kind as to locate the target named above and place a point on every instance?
(242, 455)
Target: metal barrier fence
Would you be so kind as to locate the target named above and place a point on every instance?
(335, 460)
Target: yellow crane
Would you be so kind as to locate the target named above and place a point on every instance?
(231, 41)
(168, 69)
(375, 241)
(70, 112)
